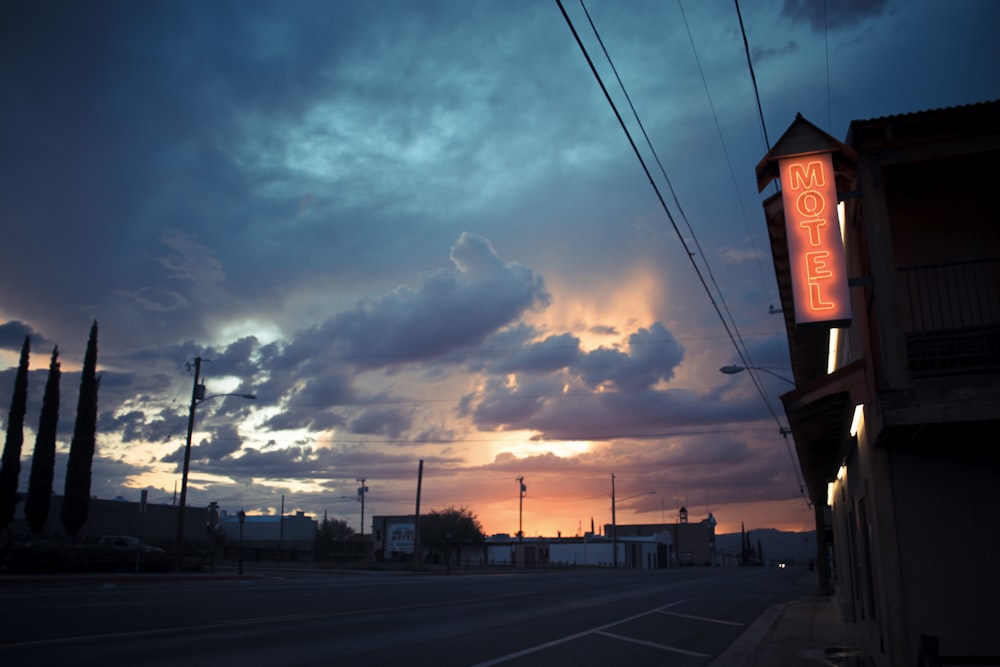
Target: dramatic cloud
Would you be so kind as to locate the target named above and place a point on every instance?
(415, 231)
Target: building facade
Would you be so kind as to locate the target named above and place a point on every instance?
(897, 398)
(681, 543)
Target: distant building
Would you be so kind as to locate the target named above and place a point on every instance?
(156, 524)
(290, 533)
(896, 403)
(688, 543)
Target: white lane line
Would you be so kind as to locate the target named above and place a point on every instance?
(662, 647)
(569, 638)
(700, 618)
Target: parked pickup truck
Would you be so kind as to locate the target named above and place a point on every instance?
(127, 543)
(119, 552)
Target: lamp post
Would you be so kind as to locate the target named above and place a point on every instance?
(242, 517)
(734, 369)
(197, 397)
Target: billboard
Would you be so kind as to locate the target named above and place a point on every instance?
(399, 538)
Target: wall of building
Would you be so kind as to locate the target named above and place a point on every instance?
(293, 532)
(157, 526)
(950, 537)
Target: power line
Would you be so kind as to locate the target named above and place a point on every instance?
(725, 151)
(663, 204)
(753, 77)
(740, 351)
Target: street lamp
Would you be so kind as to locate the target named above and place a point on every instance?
(242, 517)
(733, 370)
(197, 397)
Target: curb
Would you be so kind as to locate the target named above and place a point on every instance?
(747, 648)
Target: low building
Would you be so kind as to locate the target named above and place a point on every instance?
(289, 534)
(155, 524)
(687, 543)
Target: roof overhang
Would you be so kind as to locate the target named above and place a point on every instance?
(819, 415)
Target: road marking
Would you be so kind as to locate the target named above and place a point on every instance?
(701, 618)
(662, 647)
(562, 640)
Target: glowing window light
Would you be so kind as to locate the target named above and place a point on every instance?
(858, 420)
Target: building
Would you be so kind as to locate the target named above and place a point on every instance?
(681, 543)
(155, 524)
(290, 535)
(894, 336)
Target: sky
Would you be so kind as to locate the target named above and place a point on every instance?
(417, 231)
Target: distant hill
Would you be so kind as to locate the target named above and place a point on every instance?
(777, 545)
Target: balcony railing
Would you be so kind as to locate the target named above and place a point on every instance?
(951, 316)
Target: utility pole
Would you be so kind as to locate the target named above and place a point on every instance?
(416, 519)
(362, 490)
(522, 489)
(197, 394)
(614, 526)
(281, 525)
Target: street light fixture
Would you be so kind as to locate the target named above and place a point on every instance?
(734, 369)
(197, 397)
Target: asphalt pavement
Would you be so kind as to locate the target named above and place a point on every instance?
(805, 632)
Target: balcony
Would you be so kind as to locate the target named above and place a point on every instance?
(951, 317)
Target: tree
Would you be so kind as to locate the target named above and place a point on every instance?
(329, 533)
(746, 550)
(448, 529)
(76, 498)
(10, 469)
(43, 461)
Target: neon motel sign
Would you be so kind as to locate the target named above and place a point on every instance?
(815, 247)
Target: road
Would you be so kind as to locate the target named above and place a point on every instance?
(575, 617)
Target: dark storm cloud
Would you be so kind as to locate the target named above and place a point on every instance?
(388, 422)
(12, 336)
(599, 416)
(652, 356)
(144, 95)
(450, 308)
(550, 354)
(223, 443)
(841, 14)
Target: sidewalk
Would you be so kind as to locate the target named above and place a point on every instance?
(802, 633)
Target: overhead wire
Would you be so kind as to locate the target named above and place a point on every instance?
(642, 162)
(704, 258)
(826, 45)
(753, 77)
(725, 151)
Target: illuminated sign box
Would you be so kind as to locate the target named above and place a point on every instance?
(815, 247)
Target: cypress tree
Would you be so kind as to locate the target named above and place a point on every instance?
(43, 461)
(10, 470)
(76, 498)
